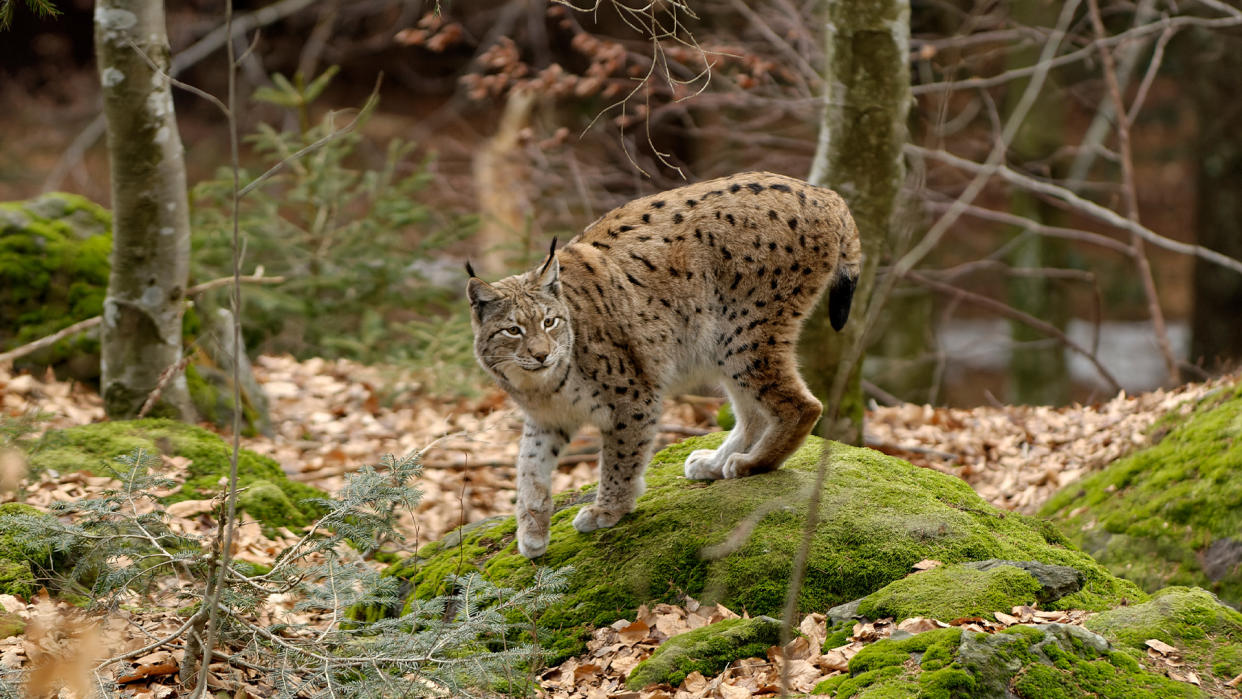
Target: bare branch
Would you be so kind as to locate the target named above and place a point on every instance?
(1015, 314)
(1081, 205)
(84, 325)
(1130, 194)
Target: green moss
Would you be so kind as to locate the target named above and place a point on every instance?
(266, 502)
(211, 393)
(11, 625)
(839, 635)
(53, 273)
(22, 562)
(888, 652)
(94, 448)
(1170, 514)
(950, 592)
(724, 417)
(879, 516)
(1208, 633)
(1033, 662)
(707, 650)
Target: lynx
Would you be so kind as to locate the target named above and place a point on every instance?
(706, 283)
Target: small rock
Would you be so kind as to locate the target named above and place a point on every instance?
(1056, 581)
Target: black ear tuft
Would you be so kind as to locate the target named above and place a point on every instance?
(470, 270)
(840, 297)
(551, 256)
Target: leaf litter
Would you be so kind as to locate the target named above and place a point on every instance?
(331, 417)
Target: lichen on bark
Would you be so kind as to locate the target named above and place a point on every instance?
(866, 99)
(141, 333)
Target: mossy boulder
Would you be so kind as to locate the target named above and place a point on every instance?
(973, 589)
(733, 541)
(951, 592)
(1170, 514)
(53, 273)
(272, 498)
(1034, 662)
(1207, 633)
(707, 650)
(23, 561)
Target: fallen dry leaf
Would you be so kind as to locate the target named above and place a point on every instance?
(1005, 618)
(633, 633)
(1160, 646)
(918, 624)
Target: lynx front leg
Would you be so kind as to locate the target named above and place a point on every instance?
(536, 460)
(623, 458)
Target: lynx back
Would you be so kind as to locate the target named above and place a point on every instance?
(706, 283)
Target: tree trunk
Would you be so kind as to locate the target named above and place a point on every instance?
(141, 333)
(1215, 331)
(867, 98)
(1038, 370)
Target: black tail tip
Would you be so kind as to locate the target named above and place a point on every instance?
(840, 297)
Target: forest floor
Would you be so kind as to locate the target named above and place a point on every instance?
(332, 417)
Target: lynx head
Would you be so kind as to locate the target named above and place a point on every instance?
(522, 333)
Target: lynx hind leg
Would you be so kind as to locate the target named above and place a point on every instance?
(536, 461)
(792, 412)
(750, 422)
(623, 458)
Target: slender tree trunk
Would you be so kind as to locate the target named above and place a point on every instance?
(867, 83)
(1215, 63)
(1038, 370)
(141, 333)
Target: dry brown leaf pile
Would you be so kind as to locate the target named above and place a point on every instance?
(331, 417)
(615, 650)
(1017, 456)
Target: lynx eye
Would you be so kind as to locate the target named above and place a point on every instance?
(551, 322)
(513, 331)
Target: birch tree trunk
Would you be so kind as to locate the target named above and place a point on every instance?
(867, 98)
(141, 332)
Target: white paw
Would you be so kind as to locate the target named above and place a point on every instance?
(701, 465)
(590, 518)
(532, 546)
(732, 468)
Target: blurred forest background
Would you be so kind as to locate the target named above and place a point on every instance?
(501, 124)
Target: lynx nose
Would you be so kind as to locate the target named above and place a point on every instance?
(539, 355)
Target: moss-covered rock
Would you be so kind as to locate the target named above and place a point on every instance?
(11, 625)
(23, 562)
(54, 265)
(734, 541)
(1170, 514)
(951, 592)
(707, 650)
(94, 448)
(53, 273)
(1207, 632)
(1033, 662)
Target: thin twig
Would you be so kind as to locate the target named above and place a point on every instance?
(224, 544)
(1130, 196)
(1011, 312)
(184, 59)
(1079, 204)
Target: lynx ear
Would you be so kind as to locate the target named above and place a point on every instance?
(550, 273)
(480, 294)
